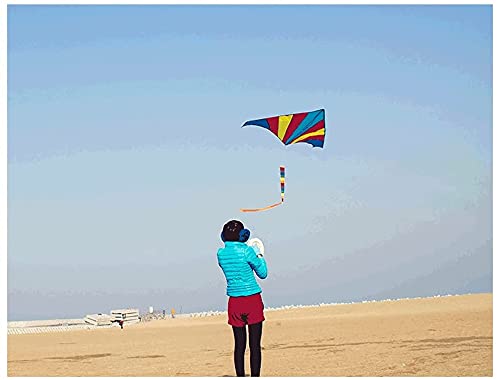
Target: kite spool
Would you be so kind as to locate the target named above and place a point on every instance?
(256, 244)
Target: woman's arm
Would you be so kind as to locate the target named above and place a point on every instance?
(258, 264)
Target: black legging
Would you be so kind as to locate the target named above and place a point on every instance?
(240, 342)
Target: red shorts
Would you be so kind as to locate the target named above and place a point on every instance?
(245, 310)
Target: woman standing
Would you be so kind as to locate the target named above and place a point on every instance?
(245, 307)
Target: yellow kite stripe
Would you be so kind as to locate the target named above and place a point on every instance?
(284, 122)
(321, 132)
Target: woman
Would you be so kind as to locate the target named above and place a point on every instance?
(245, 307)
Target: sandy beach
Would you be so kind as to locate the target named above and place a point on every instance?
(443, 336)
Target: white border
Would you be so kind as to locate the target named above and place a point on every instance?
(250, 2)
(496, 37)
(3, 187)
(3, 112)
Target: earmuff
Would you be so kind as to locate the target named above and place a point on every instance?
(244, 235)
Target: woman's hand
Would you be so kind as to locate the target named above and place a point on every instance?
(257, 245)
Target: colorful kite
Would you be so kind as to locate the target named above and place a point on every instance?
(282, 182)
(308, 127)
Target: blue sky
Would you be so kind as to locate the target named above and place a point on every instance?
(126, 154)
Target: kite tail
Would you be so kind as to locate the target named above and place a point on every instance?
(260, 209)
(282, 183)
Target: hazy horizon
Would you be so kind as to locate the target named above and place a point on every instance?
(126, 153)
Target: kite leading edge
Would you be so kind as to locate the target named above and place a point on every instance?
(282, 183)
(307, 127)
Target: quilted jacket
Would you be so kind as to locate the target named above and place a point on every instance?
(239, 262)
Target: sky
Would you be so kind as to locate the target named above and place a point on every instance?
(126, 156)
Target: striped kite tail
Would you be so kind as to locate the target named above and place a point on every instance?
(282, 182)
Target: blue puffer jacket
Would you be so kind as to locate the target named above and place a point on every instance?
(238, 262)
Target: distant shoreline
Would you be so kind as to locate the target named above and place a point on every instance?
(61, 324)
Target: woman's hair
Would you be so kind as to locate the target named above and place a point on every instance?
(231, 230)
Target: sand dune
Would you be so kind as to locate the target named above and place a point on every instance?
(446, 336)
